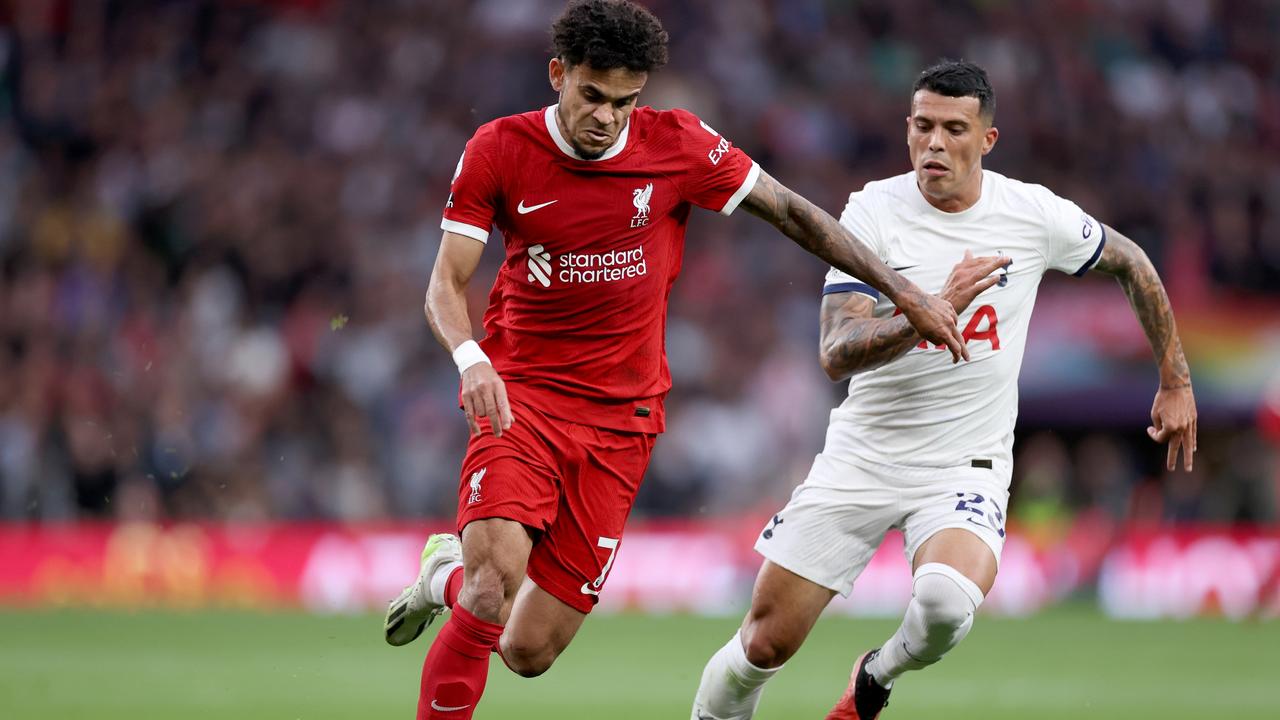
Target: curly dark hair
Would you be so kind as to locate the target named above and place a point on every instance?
(608, 34)
(959, 78)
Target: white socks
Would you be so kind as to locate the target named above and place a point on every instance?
(938, 618)
(731, 685)
(439, 581)
(940, 614)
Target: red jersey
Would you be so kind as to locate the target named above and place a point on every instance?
(576, 321)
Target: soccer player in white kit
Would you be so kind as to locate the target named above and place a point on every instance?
(921, 444)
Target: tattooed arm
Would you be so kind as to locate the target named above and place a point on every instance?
(820, 234)
(853, 341)
(1173, 414)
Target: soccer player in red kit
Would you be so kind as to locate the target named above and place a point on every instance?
(564, 395)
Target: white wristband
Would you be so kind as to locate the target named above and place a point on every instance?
(468, 354)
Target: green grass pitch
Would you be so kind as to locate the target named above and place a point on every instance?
(1067, 663)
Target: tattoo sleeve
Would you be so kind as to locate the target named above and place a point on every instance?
(1123, 259)
(820, 234)
(853, 341)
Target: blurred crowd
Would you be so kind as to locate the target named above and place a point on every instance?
(217, 220)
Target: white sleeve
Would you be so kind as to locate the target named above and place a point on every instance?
(1074, 239)
(858, 219)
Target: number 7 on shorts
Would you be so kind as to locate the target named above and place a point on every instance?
(593, 587)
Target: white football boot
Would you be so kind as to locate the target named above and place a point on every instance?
(420, 603)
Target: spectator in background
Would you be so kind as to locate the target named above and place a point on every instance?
(215, 221)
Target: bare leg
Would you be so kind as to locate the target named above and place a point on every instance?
(495, 553)
(539, 629)
(784, 608)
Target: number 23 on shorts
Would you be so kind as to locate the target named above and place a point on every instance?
(970, 501)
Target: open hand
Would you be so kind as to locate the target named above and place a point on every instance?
(485, 395)
(971, 276)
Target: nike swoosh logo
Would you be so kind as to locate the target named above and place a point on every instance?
(904, 267)
(437, 706)
(526, 210)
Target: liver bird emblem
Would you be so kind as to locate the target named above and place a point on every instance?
(640, 198)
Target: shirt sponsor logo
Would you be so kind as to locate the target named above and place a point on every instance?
(721, 147)
(640, 198)
(585, 267)
(540, 265)
(973, 332)
(718, 151)
(456, 172)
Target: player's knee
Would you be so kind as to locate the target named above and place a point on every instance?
(943, 608)
(487, 590)
(765, 645)
(947, 601)
(527, 658)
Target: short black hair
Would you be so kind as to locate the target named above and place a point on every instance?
(608, 34)
(959, 78)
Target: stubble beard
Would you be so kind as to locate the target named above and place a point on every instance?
(587, 154)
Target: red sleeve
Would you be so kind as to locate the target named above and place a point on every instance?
(718, 174)
(473, 196)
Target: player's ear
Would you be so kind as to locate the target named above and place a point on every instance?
(555, 73)
(989, 139)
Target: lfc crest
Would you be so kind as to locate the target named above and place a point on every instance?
(640, 198)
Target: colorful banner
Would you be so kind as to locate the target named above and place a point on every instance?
(681, 567)
(1157, 574)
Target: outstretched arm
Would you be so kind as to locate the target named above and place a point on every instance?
(820, 234)
(1173, 414)
(853, 341)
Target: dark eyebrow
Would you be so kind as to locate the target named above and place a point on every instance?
(592, 87)
(952, 123)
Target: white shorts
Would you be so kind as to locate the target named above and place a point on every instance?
(837, 518)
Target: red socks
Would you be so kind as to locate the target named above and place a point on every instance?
(452, 587)
(457, 665)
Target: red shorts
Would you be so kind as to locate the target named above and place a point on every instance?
(573, 484)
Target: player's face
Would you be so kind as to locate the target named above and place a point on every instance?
(594, 104)
(947, 137)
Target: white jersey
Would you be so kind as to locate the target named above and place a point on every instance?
(921, 410)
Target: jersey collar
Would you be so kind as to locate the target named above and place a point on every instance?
(554, 128)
